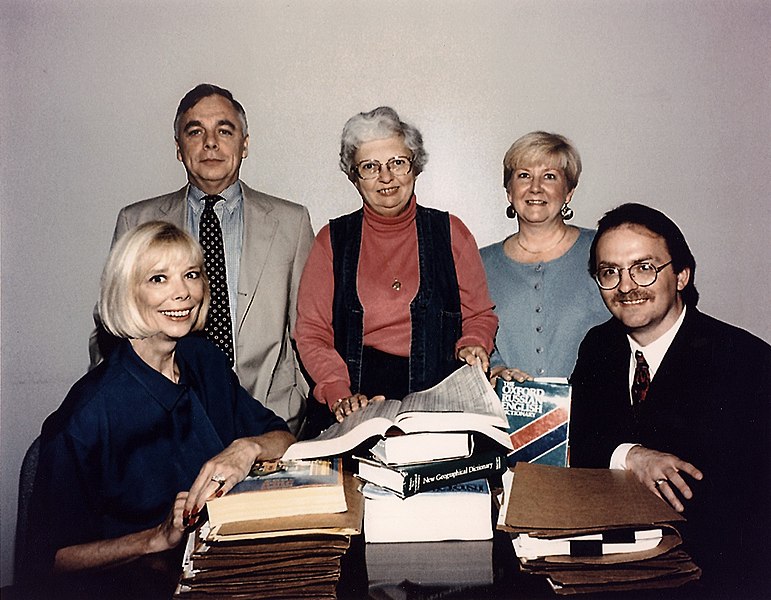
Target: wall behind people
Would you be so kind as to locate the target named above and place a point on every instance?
(668, 103)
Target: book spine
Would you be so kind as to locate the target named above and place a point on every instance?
(431, 476)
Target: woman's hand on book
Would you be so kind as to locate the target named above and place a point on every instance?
(346, 406)
(471, 354)
(170, 533)
(508, 374)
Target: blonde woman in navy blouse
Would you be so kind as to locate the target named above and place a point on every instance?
(140, 443)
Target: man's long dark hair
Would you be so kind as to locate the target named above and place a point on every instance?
(658, 223)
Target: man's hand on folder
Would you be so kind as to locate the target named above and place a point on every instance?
(661, 473)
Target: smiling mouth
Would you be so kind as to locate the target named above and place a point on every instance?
(632, 301)
(388, 191)
(535, 202)
(177, 314)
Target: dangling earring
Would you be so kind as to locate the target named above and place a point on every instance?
(510, 212)
(566, 212)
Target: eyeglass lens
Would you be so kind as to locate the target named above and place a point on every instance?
(643, 274)
(398, 165)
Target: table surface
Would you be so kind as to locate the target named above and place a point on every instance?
(508, 581)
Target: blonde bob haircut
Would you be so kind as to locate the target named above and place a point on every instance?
(127, 265)
(538, 147)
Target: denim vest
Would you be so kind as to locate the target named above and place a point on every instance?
(435, 311)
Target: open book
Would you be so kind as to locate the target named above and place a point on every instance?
(464, 401)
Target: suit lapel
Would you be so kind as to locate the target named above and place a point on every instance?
(173, 209)
(685, 375)
(259, 233)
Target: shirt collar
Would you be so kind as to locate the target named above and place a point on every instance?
(161, 389)
(655, 351)
(232, 194)
(390, 224)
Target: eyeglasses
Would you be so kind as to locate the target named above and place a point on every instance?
(369, 169)
(643, 274)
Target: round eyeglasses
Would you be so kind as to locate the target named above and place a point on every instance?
(643, 274)
(369, 169)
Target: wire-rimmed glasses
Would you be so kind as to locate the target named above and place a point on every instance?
(642, 273)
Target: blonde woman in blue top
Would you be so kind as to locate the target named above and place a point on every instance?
(141, 442)
(545, 299)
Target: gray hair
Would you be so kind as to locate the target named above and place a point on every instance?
(379, 124)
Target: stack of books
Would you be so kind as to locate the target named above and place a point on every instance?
(446, 440)
(428, 516)
(592, 530)
(281, 535)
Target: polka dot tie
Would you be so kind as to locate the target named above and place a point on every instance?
(219, 327)
(642, 379)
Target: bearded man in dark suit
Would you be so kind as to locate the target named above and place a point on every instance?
(677, 397)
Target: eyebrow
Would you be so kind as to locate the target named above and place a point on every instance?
(648, 259)
(190, 124)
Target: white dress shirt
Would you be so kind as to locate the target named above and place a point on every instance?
(654, 353)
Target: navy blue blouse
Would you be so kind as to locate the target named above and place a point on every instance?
(126, 440)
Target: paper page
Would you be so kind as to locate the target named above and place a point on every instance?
(374, 419)
(466, 390)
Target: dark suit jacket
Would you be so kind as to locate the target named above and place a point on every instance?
(276, 241)
(707, 404)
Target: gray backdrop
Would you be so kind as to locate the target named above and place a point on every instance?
(667, 101)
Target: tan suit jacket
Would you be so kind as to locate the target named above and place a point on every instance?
(277, 239)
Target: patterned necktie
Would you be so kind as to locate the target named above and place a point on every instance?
(642, 379)
(219, 327)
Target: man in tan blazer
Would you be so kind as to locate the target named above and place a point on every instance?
(266, 242)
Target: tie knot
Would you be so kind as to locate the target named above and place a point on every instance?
(638, 356)
(211, 201)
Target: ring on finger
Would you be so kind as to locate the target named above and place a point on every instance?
(218, 479)
(658, 482)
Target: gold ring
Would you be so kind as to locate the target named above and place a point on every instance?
(658, 482)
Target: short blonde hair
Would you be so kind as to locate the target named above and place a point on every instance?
(550, 148)
(126, 265)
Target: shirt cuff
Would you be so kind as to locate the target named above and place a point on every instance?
(618, 458)
(332, 392)
(472, 340)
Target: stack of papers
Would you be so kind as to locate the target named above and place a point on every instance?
(458, 512)
(282, 557)
(590, 530)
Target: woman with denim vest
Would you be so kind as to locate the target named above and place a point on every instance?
(393, 297)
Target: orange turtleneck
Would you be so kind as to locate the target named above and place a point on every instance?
(389, 253)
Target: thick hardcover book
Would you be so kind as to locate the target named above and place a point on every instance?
(300, 488)
(423, 447)
(408, 480)
(538, 414)
(464, 401)
(457, 512)
(346, 523)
